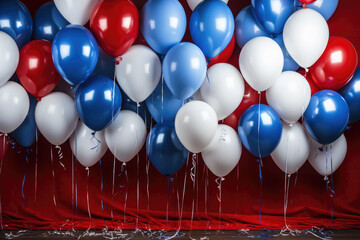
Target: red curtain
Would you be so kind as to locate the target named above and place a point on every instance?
(38, 193)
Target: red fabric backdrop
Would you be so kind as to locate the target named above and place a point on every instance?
(33, 206)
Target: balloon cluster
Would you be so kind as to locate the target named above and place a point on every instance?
(186, 87)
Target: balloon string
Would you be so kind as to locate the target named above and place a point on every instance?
(332, 185)
(61, 156)
(167, 203)
(193, 178)
(75, 174)
(162, 98)
(137, 174)
(97, 146)
(1, 164)
(206, 198)
(293, 193)
(24, 178)
(101, 195)
(218, 182)
(147, 189)
(53, 174)
(113, 190)
(124, 168)
(87, 196)
(36, 163)
(261, 187)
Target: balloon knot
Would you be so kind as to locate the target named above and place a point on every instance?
(118, 60)
(73, 88)
(38, 99)
(138, 104)
(304, 5)
(87, 169)
(208, 61)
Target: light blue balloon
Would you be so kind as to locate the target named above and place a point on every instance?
(212, 27)
(247, 27)
(325, 7)
(163, 24)
(289, 63)
(163, 105)
(184, 69)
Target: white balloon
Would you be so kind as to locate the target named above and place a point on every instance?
(195, 125)
(224, 152)
(293, 149)
(325, 159)
(87, 146)
(194, 3)
(139, 72)
(76, 11)
(223, 90)
(126, 135)
(9, 57)
(306, 34)
(14, 106)
(261, 62)
(56, 117)
(289, 96)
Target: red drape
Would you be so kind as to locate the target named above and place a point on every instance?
(33, 206)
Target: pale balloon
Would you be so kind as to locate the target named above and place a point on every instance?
(9, 57)
(193, 3)
(76, 11)
(223, 89)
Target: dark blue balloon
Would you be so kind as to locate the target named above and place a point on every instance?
(48, 21)
(260, 134)
(165, 150)
(212, 27)
(163, 105)
(272, 14)
(25, 134)
(163, 24)
(105, 65)
(289, 63)
(351, 94)
(247, 27)
(325, 7)
(98, 102)
(326, 117)
(15, 20)
(75, 53)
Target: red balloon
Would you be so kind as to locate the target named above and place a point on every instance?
(115, 24)
(3, 146)
(313, 87)
(307, 1)
(36, 70)
(225, 55)
(336, 66)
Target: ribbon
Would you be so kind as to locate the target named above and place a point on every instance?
(97, 146)
(218, 182)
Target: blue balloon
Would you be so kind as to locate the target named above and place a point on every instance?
(260, 137)
(272, 14)
(325, 7)
(48, 21)
(25, 134)
(163, 24)
(326, 117)
(289, 63)
(75, 53)
(163, 105)
(351, 94)
(184, 69)
(97, 102)
(212, 27)
(165, 150)
(247, 27)
(105, 65)
(15, 20)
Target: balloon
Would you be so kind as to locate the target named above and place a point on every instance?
(307, 1)
(325, 7)
(56, 117)
(306, 34)
(289, 63)
(16, 21)
(98, 102)
(126, 135)
(75, 53)
(247, 27)
(289, 96)
(184, 69)
(9, 57)
(313, 87)
(351, 94)
(164, 149)
(326, 159)
(48, 21)
(88, 146)
(257, 70)
(163, 24)
(224, 152)
(163, 105)
(14, 106)
(193, 3)
(121, 28)
(223, 90)
(3, 146)
(293, 149)
(76, 11)
(139, 72)
(196, 125)
(260, 134)
(36, 70)
(336, 65)
(212, 27)
(142, 111)
(326, 117)
(273, 14)
(105, 65)
(25, 134)
(225, 55)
